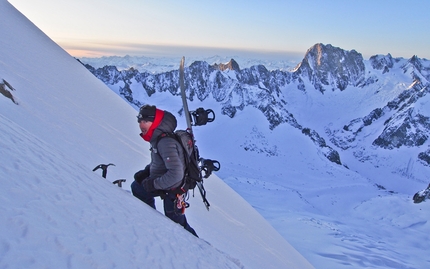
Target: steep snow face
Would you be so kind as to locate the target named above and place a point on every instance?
(57, 213)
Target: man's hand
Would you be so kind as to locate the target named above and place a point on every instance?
(148, 184)
(141, 175)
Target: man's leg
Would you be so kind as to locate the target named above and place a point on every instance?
(140, 192)
(169, 211)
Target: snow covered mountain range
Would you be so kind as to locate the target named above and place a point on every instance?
(390, 94)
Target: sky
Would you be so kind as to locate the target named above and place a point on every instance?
(265, 29)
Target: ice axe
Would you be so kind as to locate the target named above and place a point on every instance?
(104, 168)
(119, 182)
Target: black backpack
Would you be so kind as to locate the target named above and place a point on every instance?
(192, 173)
(194, 165)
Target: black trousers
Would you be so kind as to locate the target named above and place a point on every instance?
(168, 203)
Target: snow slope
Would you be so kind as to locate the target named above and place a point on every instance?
(57, 213)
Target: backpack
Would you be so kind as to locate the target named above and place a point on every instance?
(194, 165)
(192, 173)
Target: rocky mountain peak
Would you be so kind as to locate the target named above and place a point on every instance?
(381, 62)
(415, 62)
(231, 65)
(419, 71)
(326, 65)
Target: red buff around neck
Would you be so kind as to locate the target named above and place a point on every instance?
(159, 114)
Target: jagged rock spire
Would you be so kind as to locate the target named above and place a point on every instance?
(231, 65)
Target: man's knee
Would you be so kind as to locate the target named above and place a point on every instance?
(140, 192)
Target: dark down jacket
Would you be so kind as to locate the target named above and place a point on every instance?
(167, 158)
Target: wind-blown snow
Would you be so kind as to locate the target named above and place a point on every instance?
(57, 213)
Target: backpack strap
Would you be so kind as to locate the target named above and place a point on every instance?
(165, 134)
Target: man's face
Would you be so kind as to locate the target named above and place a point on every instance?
(144, 126)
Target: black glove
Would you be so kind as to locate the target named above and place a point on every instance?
(141, 175)
(148, 184)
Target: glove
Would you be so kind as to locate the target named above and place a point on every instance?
(148, 184)
(141, 175)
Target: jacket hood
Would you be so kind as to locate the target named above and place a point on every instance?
(167, 125)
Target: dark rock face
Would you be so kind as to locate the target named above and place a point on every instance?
(409, 130)
(422, 195)
(231, 65)
(325, 65)
(328, 151)
(384, 63)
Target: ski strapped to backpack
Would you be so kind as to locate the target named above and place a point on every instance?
(194, 164)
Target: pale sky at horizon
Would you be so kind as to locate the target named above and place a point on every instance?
(262, 29)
